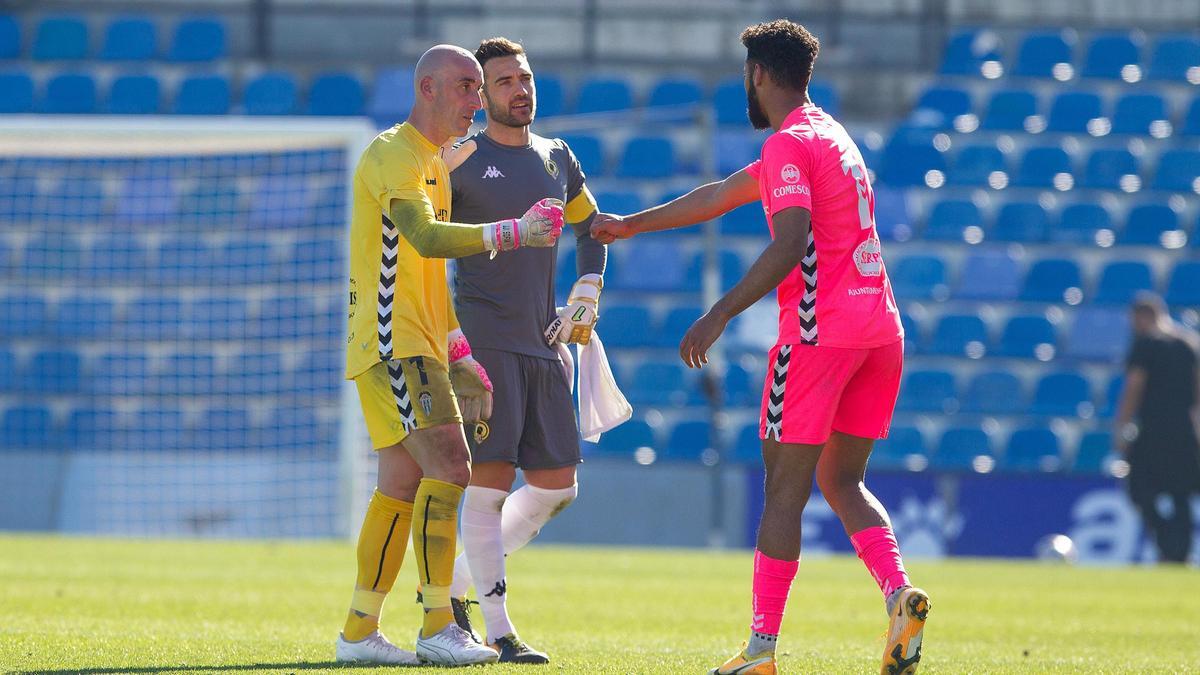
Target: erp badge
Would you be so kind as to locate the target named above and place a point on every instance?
(482, 431)
(426, 403)
(551, 168)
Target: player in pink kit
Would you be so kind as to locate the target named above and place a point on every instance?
(835, 370)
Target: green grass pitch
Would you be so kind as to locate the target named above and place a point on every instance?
(99, 606)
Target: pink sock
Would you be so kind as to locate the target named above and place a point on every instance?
(772, 580)
(877, 548)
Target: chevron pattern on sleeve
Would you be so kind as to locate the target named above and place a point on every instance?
(387, 287)
(774, 427)
(807, 310)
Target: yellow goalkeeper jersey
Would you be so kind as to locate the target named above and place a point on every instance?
(399, 301)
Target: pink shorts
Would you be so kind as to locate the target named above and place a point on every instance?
(813, 390)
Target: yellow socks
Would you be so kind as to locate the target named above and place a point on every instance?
(434, 535)
(381, 546)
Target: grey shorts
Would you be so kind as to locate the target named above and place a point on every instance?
(533, 414)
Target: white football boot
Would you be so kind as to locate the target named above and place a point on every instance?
(453, 646)
(374, 648)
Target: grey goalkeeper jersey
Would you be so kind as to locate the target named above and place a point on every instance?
(506, 302)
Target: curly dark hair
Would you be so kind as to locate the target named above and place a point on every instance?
(496, 47)
(785, 48)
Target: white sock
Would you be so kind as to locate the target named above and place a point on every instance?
(484, 552)
(527, 510)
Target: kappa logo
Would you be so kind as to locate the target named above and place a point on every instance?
(789, 173)
(492, 172)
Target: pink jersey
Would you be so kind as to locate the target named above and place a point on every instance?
(839, 295)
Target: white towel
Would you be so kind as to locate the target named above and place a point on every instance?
(602, 406)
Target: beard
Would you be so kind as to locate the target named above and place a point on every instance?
(500, 114)
(758, 119)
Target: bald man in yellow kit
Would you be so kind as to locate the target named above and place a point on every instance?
(416, 378)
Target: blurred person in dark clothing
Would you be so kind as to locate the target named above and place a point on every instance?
(1156, 425)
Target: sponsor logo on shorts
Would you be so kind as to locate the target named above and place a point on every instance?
(868, 258)
(790, 190)
(789, 173)
(426, 403)
(482, 431)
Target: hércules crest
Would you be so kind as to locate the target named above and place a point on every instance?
(482, 431)
(551, 168)
(426, 402)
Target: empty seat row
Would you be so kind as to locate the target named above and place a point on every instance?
(998, 392)
(272, 93)
(1057, 54)
(127, 38)
(1149, 223)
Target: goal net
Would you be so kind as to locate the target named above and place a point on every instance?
(172, 313)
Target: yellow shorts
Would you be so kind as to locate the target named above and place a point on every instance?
(405, 394)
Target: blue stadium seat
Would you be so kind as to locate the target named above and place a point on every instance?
(93, 429)
(908, 158)
(1173, 56)
(198, 40)
(1108, 168)
(950, 217)
(86, 318)
(1033, 449)
(10, 37)
(134, 95)
(28, 427)
(211, 202)
(994, 393)
(1099, 333)
(157, 317)
(619, 201)
(928, 391)
(339, 94)
(320, 372)
(1135, 113)
(10, 371)
(626, 326)
(676, 91)
(183, 261)
(989, 275)
(1178, 171)
(55, 371)
(1063, 394)
(1108, 54)
(589, 151)
(157, 428)
(122, 373)
(61, 38)
(648, 157)
(392, 95)
(257, 374)
(747, 446)
(745, 219)
(1121, 280)
(919, 277)
(1079, 223)
(1020, 222)
(654, 266)
(661, 383)
(967, 51)
(1112, 396)
(958, 448)
(939, 105)
(604, 94)
(677, 321)
(975, 164)
(1028, 336)
(1184, 285)
(825, 96)
(1041, 166)
(22, 315)
(116, 257)
(285, 201)
(147, 199)
(131, 38)
(687, 441)
(960, 335)
(223, 318)
(913, 335)
(48, 255)
(1007, 110)
(246, 261)
(1049, 280)
(731, 271)
(270, 94)
(1095, 448)
(895, 451)
(1148, 222)
(893, 219)
(286, 317)
(742, 388)
(294, 427)
(627, 438)
(187, 375)
(16, 92)
(729, 100)
(202, 95)
(69, 94)
(1040, 52)
(224, 429)
(1072, 110)
(551, 99)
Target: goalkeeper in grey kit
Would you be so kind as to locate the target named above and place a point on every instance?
(507, 310)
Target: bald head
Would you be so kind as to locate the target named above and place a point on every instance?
(447, 80)
(440, 61)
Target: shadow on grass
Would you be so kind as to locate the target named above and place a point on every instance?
(289, 667)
